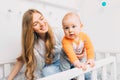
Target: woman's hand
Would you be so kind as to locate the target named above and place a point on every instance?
(17, 67)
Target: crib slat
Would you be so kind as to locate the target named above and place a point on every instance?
(81, 77)
(1, 71)
(94, 75)
(104, 74)
(114, 72)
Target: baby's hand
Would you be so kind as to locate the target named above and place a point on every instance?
(78, 64)
(80, 56)
(91, 62)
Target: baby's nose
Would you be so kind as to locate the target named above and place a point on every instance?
(70, 30)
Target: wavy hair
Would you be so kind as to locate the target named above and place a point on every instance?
(29, 37)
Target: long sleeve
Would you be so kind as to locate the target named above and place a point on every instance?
(67, 47)
(88, 46)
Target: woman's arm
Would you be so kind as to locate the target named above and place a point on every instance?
(17, 67)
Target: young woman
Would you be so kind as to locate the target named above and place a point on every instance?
(40, 54)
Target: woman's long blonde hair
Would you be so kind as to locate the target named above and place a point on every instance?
(29, 37)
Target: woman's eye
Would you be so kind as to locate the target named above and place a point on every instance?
(35, 24)
(42, 18)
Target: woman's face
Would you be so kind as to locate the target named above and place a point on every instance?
(40, 25)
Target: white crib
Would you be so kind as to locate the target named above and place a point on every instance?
(79, 74)
(105, 69)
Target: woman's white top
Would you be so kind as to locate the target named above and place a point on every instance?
(39, 51)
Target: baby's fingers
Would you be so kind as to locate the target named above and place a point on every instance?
(83, 67)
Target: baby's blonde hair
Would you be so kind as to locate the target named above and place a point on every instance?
(69, 14)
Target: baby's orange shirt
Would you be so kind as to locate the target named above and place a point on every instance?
(67, 47)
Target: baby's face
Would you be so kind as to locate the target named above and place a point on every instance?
(71, 26)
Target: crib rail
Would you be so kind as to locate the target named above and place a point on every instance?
(69, 74)
(105, 69)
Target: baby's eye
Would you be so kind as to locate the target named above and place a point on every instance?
(73, 26)
(66, 28)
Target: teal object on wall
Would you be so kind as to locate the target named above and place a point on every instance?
(104, 3)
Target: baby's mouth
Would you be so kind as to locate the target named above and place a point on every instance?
(71, 35)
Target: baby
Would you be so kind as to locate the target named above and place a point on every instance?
(77, 47)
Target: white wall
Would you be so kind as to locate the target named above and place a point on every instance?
(11, 12)
(101, 23)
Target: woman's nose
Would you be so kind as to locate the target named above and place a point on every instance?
(41, 23)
